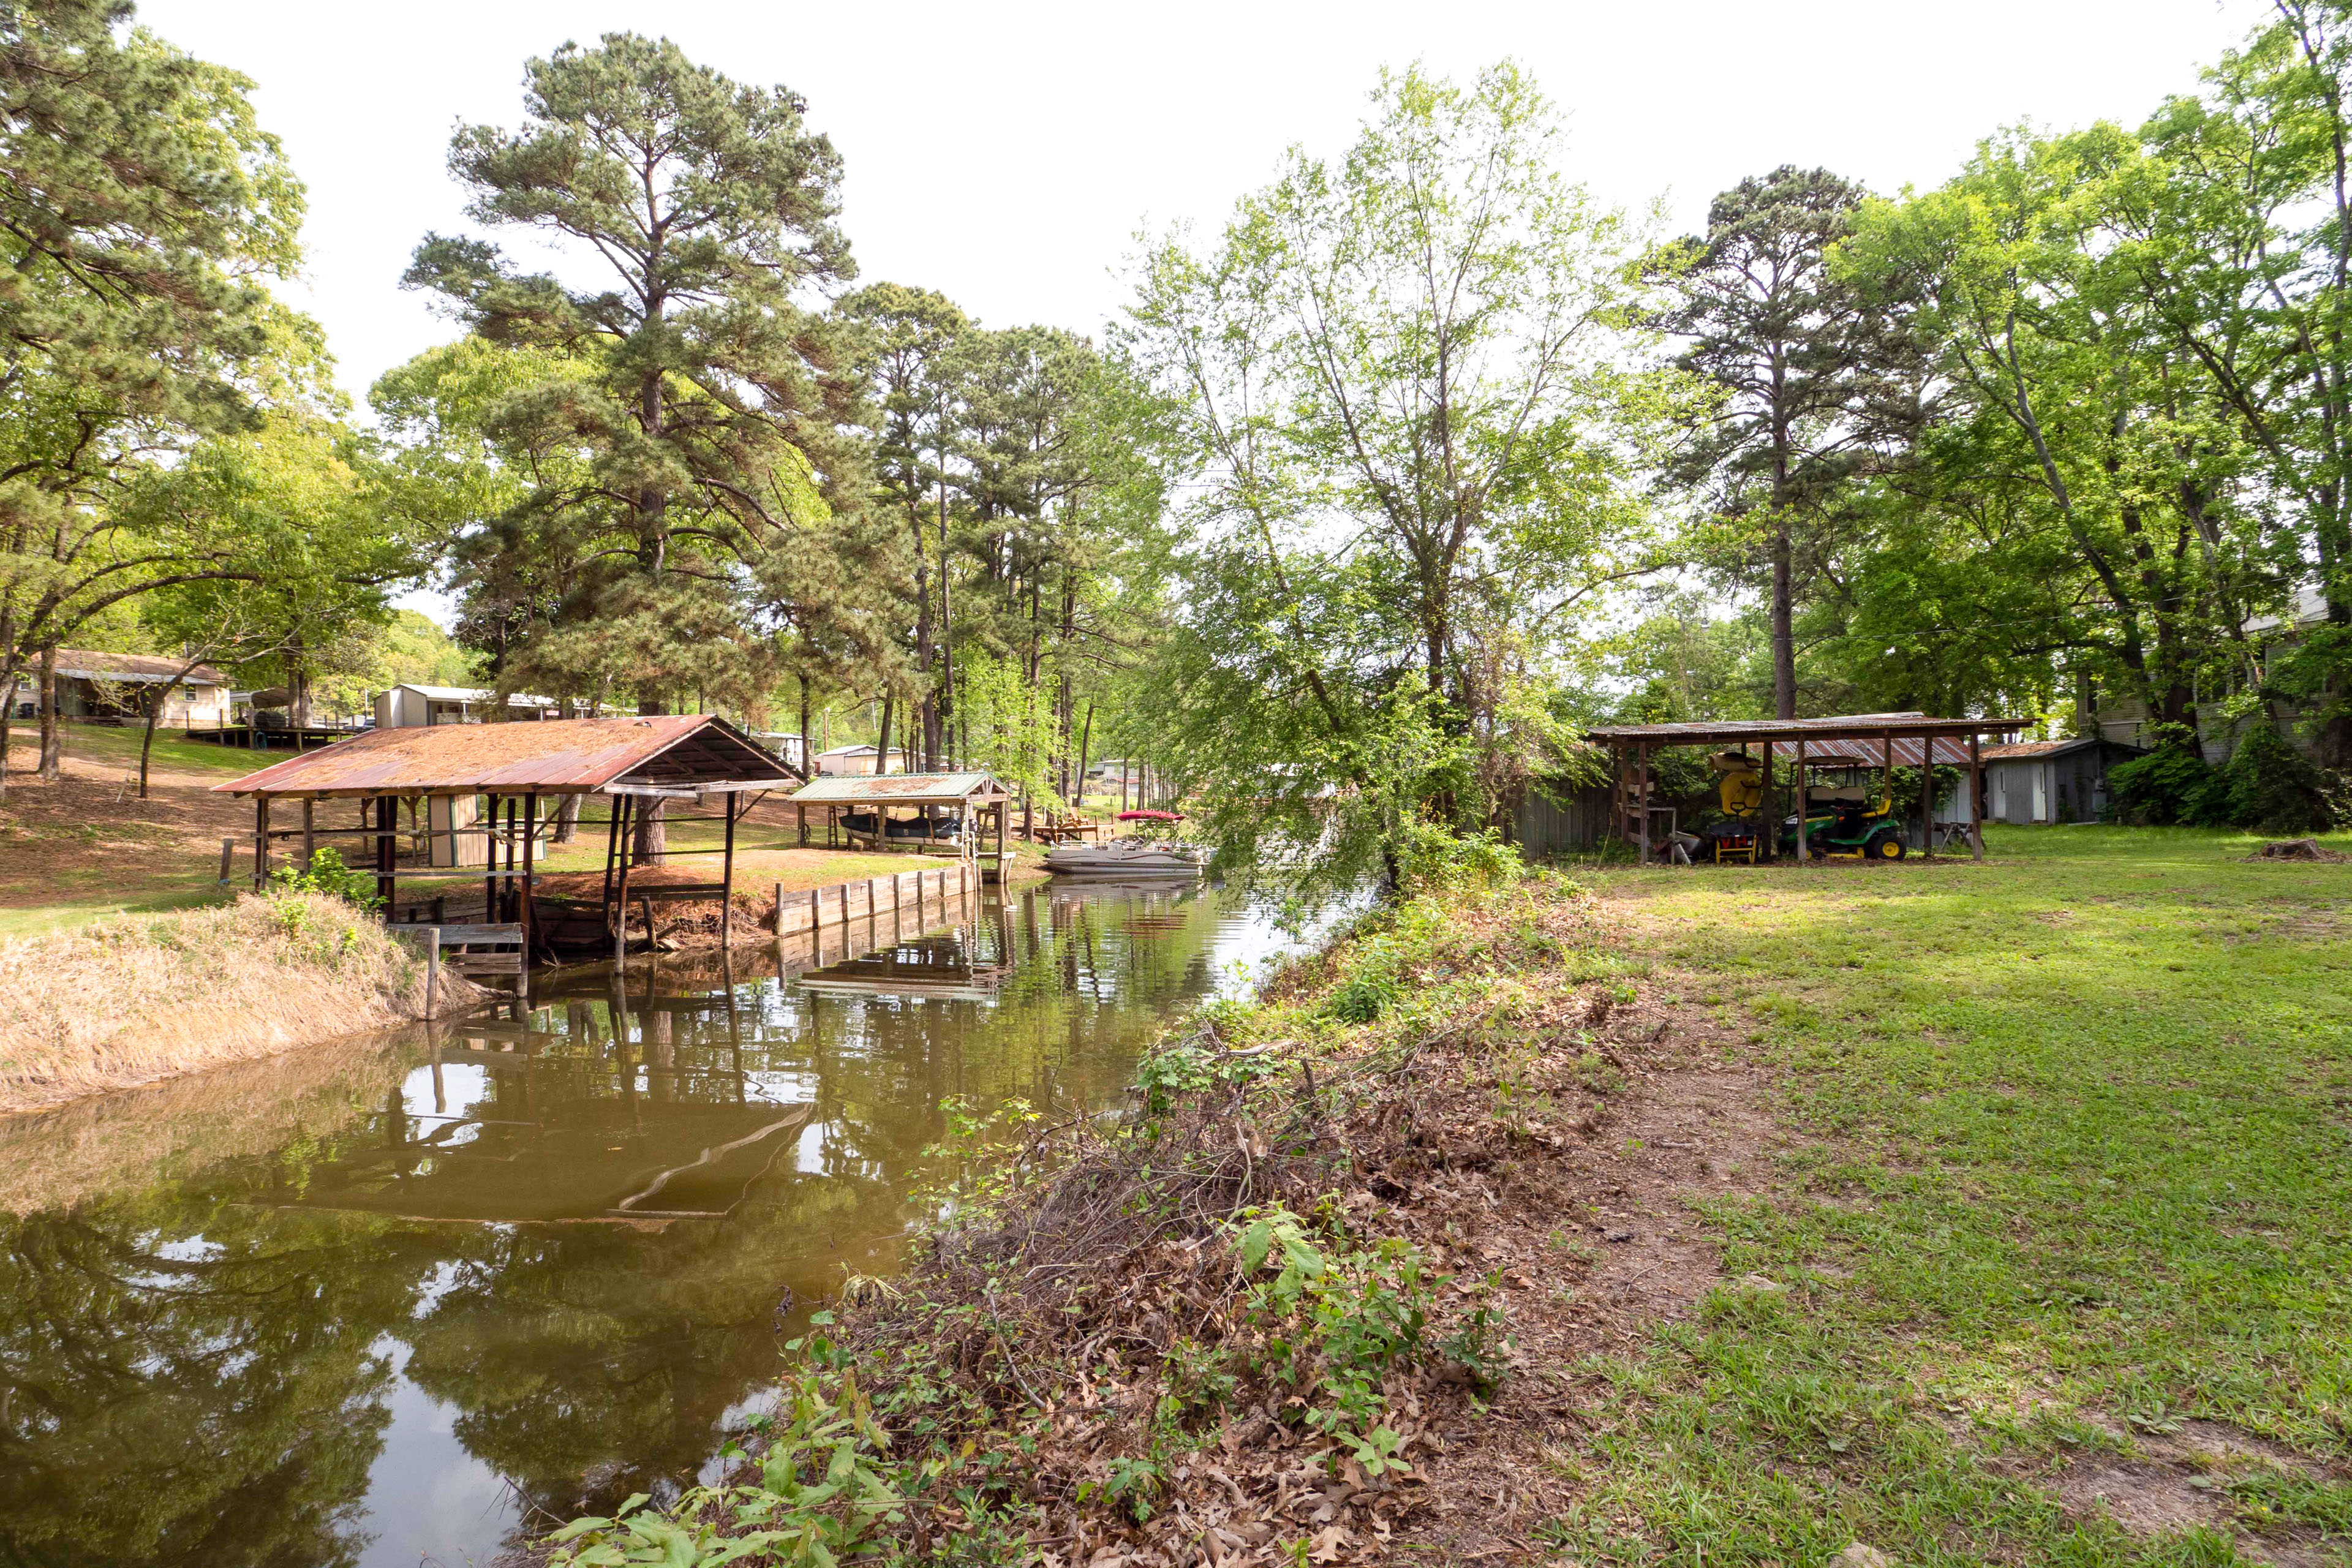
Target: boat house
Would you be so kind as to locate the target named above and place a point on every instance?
(523, 771)
(953, 814)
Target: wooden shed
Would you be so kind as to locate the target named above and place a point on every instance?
(673, 759)
(2052, 781)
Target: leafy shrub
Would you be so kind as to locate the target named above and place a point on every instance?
(1330, 1322)
(2170, 785)
(1372, 983)
(2267, 785)
(2272, 787)
(327, 874)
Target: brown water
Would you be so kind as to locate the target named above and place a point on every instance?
(375, 1303)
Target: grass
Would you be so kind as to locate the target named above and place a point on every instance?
(129, 1000)
(2068, 1174)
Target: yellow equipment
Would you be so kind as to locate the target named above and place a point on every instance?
(1741, 790)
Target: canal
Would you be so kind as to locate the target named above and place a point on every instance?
(387, 1301)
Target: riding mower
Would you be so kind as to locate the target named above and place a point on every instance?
(1741, 790)
(1846, 824)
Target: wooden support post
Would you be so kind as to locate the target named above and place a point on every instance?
(432, 974)
(310, 835)
(1804, 851)
(525, 906)
(622, 804)
(261, 841)
(1927, 797)
(491, 860)
(780, 911)
(612, 840)
(510, 888)
(802, 812)
(386, 819)
(1976, 796)
(1642, 796)
(228, 858)
(1768, 828)
(727, 884)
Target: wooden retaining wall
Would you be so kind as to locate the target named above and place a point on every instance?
(915, 893)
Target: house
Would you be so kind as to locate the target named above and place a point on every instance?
(2116, 717)
(858, 760)
(787, 743)
(408, 705)
(92, 685)
(2051, 781)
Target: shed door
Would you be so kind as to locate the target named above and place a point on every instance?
(2041, 791)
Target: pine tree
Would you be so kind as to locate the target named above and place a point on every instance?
(1812, 375)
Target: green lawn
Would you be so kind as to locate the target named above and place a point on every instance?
(2072, 1176)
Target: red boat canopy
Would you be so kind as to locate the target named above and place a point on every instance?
(1151, 816)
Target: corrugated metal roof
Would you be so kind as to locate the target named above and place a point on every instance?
(901, 789)
(137, 668)
(1949, 753)
(474, 694)
(2023, 749)
(1849, 725)
(554, 756)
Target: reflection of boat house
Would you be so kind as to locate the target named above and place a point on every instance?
(635, 764)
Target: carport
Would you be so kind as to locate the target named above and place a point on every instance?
(1915, 740)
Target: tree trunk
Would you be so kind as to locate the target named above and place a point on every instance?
(808, 760)
(1784, 632)
(882, 746)
(52, 761)
(155, 713)
(1085, 743)
(567, 820)
(651, 834)
(10, 663)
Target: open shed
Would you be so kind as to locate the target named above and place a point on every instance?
(633, 762)
(959, 809)
(1845, 737)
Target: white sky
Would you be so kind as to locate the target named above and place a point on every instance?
(1005, 155)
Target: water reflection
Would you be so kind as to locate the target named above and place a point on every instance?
(379, 1301)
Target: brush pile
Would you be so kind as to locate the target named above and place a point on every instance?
(1284, 1312)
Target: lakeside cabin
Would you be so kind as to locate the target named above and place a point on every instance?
(523, 771)
(117, 686)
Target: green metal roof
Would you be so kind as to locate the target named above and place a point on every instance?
(902, 789)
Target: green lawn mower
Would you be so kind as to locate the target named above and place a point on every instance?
(1847, 824)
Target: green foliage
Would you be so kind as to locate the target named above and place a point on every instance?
(2171, 784)
(702, 402)
(1427, 342)
(2270, 787)
(144, 214)
(1330, 1322)
(327, 874)
(826, 1485)
(1371, 984)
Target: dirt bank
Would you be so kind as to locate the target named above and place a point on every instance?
(139, 998)
(1334, 1296)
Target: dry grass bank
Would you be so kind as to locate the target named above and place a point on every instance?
(136, 998)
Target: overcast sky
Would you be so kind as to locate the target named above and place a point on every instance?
(1005, 155)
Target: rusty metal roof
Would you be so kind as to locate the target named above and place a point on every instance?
(554, 756)
(901, 789)
(1950, 752)
(1848, 726)
(2025, 749)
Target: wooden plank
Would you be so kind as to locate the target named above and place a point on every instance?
(456, 936)
(486, 963)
